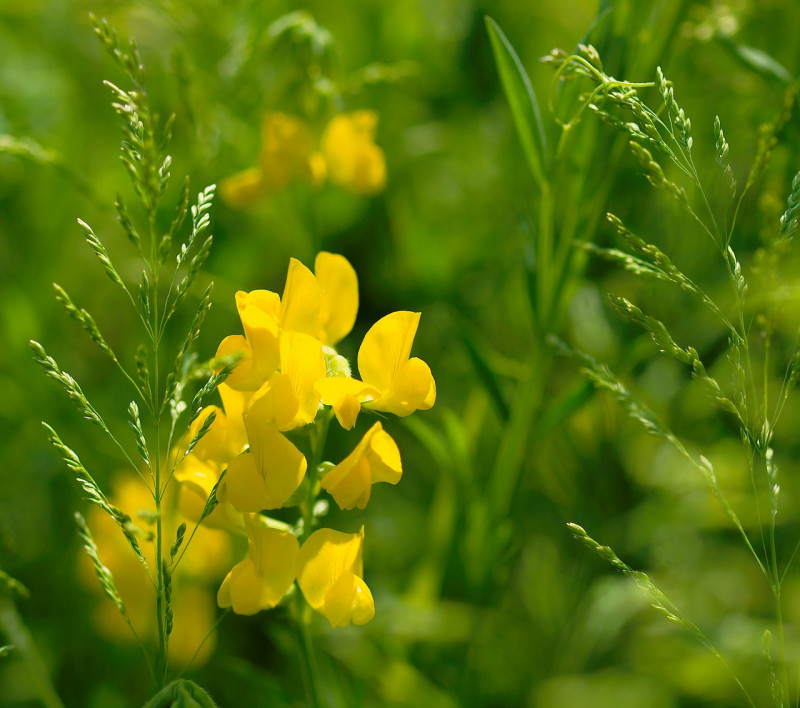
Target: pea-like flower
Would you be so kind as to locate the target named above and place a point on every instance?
(329, 572)
(261, 580)
(321, 305)
(286, 157)
(392, 382)
(352, 158)
(348, 157)
(375, 459)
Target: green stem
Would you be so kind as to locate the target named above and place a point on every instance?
(307, 654)
(16, 631)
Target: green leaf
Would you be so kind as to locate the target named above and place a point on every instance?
(183, 693)
(756, 60)
(522, 100)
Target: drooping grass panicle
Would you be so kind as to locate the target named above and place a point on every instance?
(602, 377)
(93, 493)
(657, 598)
(194, 252)
(104, 575)
(652, 261)
(179, 535)
(723, 148)
(71, 386)
(667, 345)
(135, 423)
(12, 586)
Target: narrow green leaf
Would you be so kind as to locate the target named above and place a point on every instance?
(756, 60)
(522, 100)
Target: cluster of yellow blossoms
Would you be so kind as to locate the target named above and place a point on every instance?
(346, 156)
(289, 377)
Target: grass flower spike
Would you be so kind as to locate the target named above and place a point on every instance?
(375, 459)
(329, 572)
(260, 581)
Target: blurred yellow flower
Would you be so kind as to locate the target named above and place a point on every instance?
(353, 159)
(348, 157)
(392, 382)
(375, 459)
(260, 581)
(286, 156)
(192, 594)
(329, 572)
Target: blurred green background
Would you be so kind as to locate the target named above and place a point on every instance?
(482, 596)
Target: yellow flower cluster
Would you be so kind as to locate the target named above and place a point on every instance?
(346, 156)
(192, 594)
(288, 377)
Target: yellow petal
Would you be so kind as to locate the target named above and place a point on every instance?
(376, 458)
(274, 555)
(242, 377)
(347, 409)
(413, 388)
(258, 309)
(242, 189)
(348, 600)
(338, 285)
(259, 312)
(350, 482)
(234, 402)
(323, 558)
(245, 588)
(303, 362)
(243, 485)
(384, 457)
(332, 388)
(345, 395)
(275, 402)
(279, 464)
(300, 302)
(224, 592)
(386, 347)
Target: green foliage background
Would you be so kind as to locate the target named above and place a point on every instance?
(483, 598)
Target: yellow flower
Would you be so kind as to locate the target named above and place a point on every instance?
(329, 572)
(375, 459)
(286, 156)
(392, 382)
(323, 306)
(348, 157)
(260, 581)
(353, 160)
